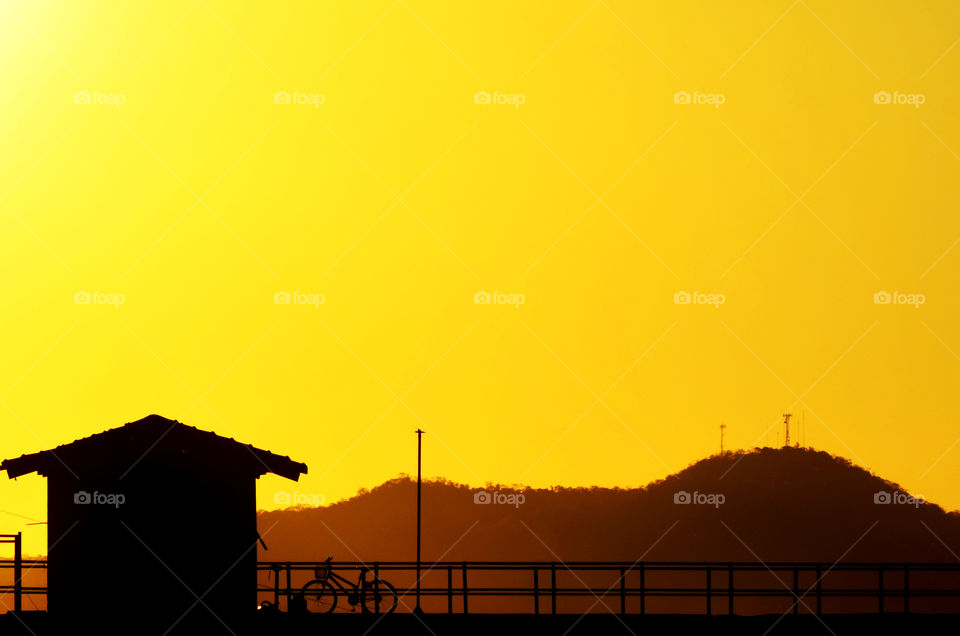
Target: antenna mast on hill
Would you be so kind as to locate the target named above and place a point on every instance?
(722, 426)
(786, 425)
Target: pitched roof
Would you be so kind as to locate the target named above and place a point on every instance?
(155, 436)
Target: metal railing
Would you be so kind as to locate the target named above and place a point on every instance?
(628, 586)
(17, 565)
(541, 587)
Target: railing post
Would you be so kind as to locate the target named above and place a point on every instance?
(730, 589)
(796, 590)
(536, 590)
(553, 588)
(18, 572)
(289, 586)
(709, 599)
(623, 591)
(906, 588)
(880, 590)
(819, 591)
(276, 585)
(376, 587)
(643, 588)
(450, 589)
(463, 576)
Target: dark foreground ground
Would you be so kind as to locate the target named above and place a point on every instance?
(510, 625)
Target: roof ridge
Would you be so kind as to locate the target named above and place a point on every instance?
(40, 461)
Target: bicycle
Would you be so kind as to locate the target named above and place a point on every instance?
(373, 595)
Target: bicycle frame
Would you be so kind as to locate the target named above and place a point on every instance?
(354, 592)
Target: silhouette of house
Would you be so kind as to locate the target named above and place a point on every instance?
(145, 518)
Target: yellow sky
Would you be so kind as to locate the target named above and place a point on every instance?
(149, 157)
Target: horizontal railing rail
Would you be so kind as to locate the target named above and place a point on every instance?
(27, 563)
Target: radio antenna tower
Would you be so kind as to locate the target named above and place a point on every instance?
(722, 426)
(786, 428)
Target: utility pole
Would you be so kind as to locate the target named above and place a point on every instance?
(419, 484)
(786, 424)
(722, 426)
(18, 573)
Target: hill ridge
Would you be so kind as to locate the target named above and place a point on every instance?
(765, 503)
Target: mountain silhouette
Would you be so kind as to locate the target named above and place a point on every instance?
(784, 504)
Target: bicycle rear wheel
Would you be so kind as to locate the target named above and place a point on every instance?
(379, 597)
(320, 596)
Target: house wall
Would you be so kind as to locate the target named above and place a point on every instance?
(174, 530)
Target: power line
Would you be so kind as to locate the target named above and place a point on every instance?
(21, 516)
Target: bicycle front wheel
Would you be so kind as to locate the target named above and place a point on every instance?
(320, 596)
(379, 597)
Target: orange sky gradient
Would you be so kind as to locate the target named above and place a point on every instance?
(151, 161)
